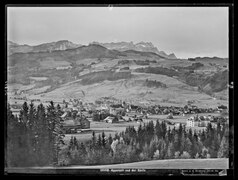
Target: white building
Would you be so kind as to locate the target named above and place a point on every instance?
(190, 123)
(63, 67)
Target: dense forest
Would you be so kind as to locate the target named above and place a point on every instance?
(149, 142)
(35, 138)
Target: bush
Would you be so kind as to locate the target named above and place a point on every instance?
(197, 156)
(176, 155)
(204, 152)
(156, 154)
(185, 155)
(144, 156)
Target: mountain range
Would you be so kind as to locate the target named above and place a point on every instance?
(126, 71)
(141, 46)
(65, 44)
(53, 46)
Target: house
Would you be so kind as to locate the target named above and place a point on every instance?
(177, 125)
(113, 111)
(221, 107)
(63, 67)
(203, 123)
(63, 116)
(170, 116)
(16, 111)
(76, 125)
(192, 122)
(85, 123)
(110, 119)
(127, 118)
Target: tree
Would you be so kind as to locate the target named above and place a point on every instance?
(214, 147)
(23, 117)
(71, 143)
(176, 142)
(12, 144)
(223, 151)
(204, 152)
(59, 111)
(197, 156)
(56, 132)
(103, 139)
(190, 134)
(176, 155)
(162, 148)
(185, 155)
(114, 144)
(93, 139)
(187, 145)
(32, 134)
(158, 129)
(144, 155)
(170, 151)
(75, 143)
(99, 140)
(156, 154)
(43, 134)
(110, 139)
(154, 145)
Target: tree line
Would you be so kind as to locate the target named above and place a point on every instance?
(149, 142)
(35, 137)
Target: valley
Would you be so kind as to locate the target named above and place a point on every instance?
(130, 75)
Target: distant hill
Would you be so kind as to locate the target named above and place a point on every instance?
(59, 45)
(216, 83)
(207, 58)
(141, 46)
(91, 51)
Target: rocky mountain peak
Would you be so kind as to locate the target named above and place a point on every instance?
(141, 46)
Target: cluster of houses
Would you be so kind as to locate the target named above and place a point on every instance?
(202, 121)
(199, 121)
(176, 111)
(76, 114)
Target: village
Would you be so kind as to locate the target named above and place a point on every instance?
(113, 116)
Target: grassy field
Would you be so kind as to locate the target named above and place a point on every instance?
(170, 164)
(99, 127)
(154, 164)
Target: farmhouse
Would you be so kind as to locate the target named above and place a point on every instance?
(63, 67)
(73, 126)
(63, 116)
(110, 119)
(170, 116)
(127, 118)
(16, 112)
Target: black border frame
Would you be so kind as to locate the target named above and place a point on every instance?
(230, 5)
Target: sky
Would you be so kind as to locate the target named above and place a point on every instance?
(184, 31)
